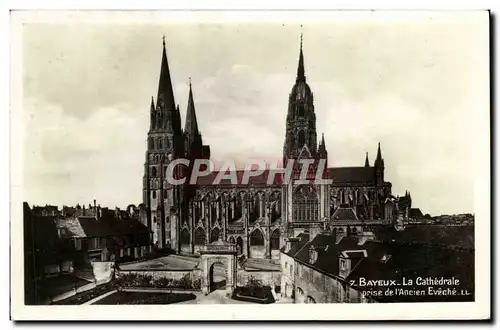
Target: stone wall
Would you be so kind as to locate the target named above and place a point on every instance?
(173, 274)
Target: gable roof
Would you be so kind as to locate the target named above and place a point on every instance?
(408, 260)
(343, 214)
(297, 244)
(260, 179)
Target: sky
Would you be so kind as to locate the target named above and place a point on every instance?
(417, 86)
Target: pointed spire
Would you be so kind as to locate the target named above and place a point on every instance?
(191, 126)
(323, 139)
(165, 92)
(300, 70)
(152, 103)
(193, 136)
(367, 161)
(379, 161)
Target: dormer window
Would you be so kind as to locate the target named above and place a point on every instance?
(385, 258)
(313, 255)
(343, 264)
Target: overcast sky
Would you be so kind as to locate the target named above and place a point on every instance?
(414, 85)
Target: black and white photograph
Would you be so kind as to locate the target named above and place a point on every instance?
(172, 159)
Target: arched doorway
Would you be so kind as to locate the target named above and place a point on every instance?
(218, 264)
(310, 300)
(217, 276)
(257, 247)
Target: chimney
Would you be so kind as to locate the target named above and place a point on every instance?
(314, 230)
(95, 207)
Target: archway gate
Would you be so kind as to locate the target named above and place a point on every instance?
(222, 253)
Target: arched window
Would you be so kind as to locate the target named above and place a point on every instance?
(167, 143)
(305, 204)
(231, 240)
(159, 143)
(238, 207)
(151, 143)
(275, 240)
(301, 110)
(154, 193)
(301, 139)
(153, 172)
(256, 238)
(185, 239)
(310, 300)
(199, 236)
(214, 236)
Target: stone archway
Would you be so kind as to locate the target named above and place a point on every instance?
(223, 256)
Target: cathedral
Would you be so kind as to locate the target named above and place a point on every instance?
(257, 216)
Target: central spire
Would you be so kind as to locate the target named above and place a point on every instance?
(300, 70)
(165, 92)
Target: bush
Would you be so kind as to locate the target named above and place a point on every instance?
(144, 280)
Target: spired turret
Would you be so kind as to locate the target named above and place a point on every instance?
(301, 119)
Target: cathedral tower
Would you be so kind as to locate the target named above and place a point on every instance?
(165, 142)
(301, 119)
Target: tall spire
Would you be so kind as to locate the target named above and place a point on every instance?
(165, 92)
(300, 70)
(152, 107)
(191, 126)
(192, 134)
(367, 162)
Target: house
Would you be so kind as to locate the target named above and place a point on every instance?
(357, 270)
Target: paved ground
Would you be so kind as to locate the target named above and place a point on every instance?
(215, 297)
(168, 262)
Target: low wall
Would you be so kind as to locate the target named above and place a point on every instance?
(172, 274)
(271, 278)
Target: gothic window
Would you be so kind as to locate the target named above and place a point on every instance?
(239, 244)
(275, 240)
(154, 193)
(237, 207)
(151, 143)
(159, 142)
(185, 239)
(214, 236)
(167, 142)
(231, 240)
(306, 204)
(301, 110)
(301, 139)
(153, 172)
(199, 236)
(256, 238)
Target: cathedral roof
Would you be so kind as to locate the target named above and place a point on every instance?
(255, 180)
(352, 175)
